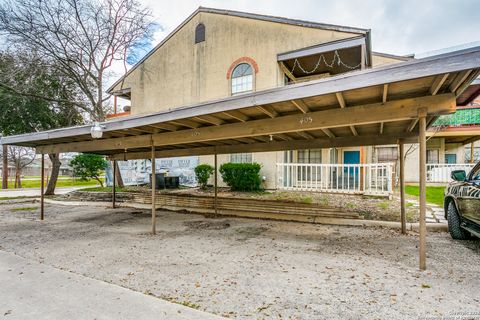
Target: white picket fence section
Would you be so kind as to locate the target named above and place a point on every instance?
(440, 172)
(369, 179)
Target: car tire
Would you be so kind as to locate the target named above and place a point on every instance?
(454, 222)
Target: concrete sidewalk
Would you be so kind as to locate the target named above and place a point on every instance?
(33, 192)
(30, 290)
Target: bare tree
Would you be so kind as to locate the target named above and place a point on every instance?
(414, 146)
(21, 157)
(83, 38)
(28, 111)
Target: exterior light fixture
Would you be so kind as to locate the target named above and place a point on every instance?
(97, 130)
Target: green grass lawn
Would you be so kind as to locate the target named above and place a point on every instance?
(60, 183)
(38, 177)
(434, 194)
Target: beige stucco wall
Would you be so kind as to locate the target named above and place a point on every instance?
(380, 60)
(456, 148)
(268, 160)
(183, 73)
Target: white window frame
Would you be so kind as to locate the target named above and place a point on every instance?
(242, 154)
(252, 89)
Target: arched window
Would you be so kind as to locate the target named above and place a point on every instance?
(200, 33)
(242, 78)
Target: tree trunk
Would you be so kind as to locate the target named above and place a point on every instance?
(5, 167)
(99, 181)
(118, 176)
(52, 182)
(18, 179)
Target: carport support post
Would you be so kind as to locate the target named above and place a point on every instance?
(215, 178)
(472, 149)
(42, 188)
(422, 124)
(114, 173)
(5, 167)
(154, 184)
(403, 217)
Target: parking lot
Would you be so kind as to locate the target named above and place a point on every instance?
(251, 269)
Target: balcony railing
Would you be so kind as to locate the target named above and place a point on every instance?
(369, 179)
(440, 172)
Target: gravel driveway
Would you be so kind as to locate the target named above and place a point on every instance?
(252, 269)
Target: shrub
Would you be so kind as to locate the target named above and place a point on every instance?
(88, 166)
(241, 176)
(203, 173)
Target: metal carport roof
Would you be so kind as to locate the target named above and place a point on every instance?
(374, 106)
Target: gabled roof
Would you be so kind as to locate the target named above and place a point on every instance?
(295, 22)
(394, 56)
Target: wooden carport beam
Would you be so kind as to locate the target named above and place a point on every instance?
(384, 100)
(398, 110)
(316, 143)
(343, 105)
(245, 140)
(471, 140)
(287, 72)
(210, 120)
(305, 135)
(237, 115)
(300, 105)
(354, 131)
(268, 110)
(412, 125)
(328, 133)
(283, 136)
(341, 100)
(437, 83)
(164, 126)
(385, 93)
(458, 80)
(473, 75)
(186, 123)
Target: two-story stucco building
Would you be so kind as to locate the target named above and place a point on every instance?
(215, 54)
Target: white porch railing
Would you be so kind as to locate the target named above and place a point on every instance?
(440, 172)
(370, 179)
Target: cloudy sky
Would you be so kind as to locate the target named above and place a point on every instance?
(398, 26)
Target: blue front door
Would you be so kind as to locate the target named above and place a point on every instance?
(351, 174)
(351, 157)
(451, 158)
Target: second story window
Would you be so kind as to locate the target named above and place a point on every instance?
(200, 33)
(242, 78)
